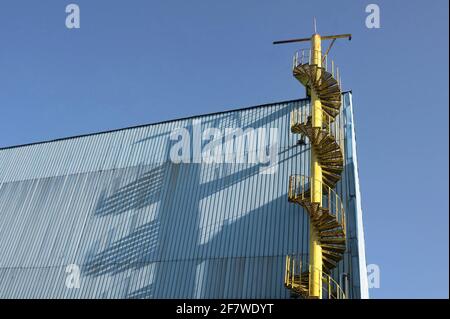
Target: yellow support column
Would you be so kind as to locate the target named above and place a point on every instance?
(315, 250)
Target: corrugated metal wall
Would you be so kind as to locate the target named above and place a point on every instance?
(140, 226)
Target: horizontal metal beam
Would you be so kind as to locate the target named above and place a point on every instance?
(338, 36)
(292, 40)
(326, 37)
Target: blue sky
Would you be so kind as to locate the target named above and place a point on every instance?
(137, 62)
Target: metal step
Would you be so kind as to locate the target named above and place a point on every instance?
(333, 248)
(332, 240)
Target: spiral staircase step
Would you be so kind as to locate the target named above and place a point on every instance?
(331, 169)
(332, 255)
(332, 234)
(333, 248)
(328, 226)
(330, 174)
(329, 263)
(332, 240)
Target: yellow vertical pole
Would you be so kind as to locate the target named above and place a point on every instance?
(286, 272)
(315, 250)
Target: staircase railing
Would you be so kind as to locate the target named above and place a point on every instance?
(304, 56)
(297, 276)
(334, 127)
(300, 189)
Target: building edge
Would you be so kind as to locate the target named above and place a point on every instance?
(157, 123)
(359, 215)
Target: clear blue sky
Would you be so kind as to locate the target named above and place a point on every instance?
(136, 62)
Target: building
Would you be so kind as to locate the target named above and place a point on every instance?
(115, 207)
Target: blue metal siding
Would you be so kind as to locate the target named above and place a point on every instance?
(140, 226)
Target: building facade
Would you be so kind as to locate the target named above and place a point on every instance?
(112, 215)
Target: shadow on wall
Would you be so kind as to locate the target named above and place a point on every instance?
(152, 242)
(143, 191)
(129, 252)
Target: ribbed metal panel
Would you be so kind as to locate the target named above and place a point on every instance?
(140, 226)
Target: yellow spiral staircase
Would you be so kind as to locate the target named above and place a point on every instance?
(321, 124)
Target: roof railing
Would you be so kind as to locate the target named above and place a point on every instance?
(304, 56)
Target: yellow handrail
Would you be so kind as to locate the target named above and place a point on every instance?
(296, 277)
(333, 126)
(299, 188)
(304, 56)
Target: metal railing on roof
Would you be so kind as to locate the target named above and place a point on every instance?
(304, 56)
